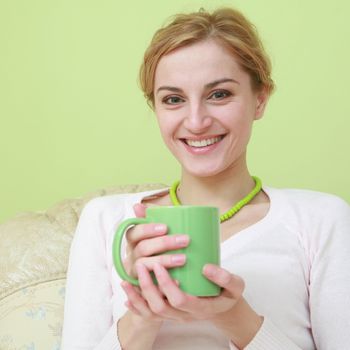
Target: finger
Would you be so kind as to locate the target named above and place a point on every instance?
(223, 278)
(132, 308)
(140, 210)
(145, 231)
(152, 246)
(154, 297)
(198, 308)
(166, 260)
(232, 285)
(176, 297)
(136, 300)
(148, 289)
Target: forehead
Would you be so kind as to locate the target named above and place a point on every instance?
(196, 64)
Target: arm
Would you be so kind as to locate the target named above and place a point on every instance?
(329, 287)
(330, 278)
(88, 311)
(136, 334)
(88, 318)
(269, 337)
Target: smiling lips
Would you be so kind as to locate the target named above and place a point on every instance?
(202, 145)
(203, 142)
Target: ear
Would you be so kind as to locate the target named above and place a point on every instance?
(261, 100)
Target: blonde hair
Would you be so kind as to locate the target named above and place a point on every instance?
(226, 26)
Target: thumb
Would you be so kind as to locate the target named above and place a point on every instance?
(140, 210)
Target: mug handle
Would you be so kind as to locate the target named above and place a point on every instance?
(117, 243)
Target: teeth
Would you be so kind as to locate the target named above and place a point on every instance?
(203, 143)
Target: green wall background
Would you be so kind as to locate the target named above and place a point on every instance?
(73, 119)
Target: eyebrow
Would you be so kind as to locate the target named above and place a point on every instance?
(207, 86)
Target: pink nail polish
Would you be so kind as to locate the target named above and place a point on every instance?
(181, 241)
(209, 270)
(161, 228)
(178, 259)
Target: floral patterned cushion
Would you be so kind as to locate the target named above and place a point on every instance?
(34, 249)
(31, 318)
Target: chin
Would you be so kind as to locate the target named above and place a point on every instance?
(204, 171)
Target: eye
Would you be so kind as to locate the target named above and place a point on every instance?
(220, 94)
(172, 100)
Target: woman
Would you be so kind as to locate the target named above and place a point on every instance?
(285, 254)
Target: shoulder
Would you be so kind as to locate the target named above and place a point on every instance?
(309, 201)
(312, 214)
(108, 203)
(102, 214)
(116, 205)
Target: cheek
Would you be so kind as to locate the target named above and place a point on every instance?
(237, 118)
(166, 128)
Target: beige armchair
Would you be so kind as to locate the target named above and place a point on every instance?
(34, 250)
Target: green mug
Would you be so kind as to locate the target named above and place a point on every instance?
(202, 224)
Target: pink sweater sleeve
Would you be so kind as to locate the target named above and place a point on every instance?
(327, 241)
(330, 278)
(88, 319)
(110, 340)
(270, 337)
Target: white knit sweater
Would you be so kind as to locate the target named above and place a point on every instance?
(295, 262)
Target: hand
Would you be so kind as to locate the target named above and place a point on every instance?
(228, 311)
(178, 305)
(138, 330)
(146, 242)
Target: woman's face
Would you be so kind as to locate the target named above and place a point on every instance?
(205, 108)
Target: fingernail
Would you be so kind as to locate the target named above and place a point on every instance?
(182, 241)
(209, 270)
(126, 286)
(160, 228)
(178, 259)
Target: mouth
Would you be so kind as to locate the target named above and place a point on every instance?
(204, 142)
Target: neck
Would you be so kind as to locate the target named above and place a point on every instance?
(222, 190)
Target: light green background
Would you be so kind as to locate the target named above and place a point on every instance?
(73, 119)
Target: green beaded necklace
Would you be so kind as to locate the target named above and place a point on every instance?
(238, 206)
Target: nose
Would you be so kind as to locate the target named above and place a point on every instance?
(198, 118)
